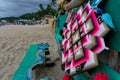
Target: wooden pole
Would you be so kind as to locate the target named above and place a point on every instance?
(113, 58)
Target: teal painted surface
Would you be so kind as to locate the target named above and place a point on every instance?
(80, 77)
(112, 7)
(29, 61)
(113, 75)
(46, 78)
(60, 21)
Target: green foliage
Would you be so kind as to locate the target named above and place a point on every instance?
(50, 10)
(10, 19)
(41, 7)
(53, 2)
(30, 16)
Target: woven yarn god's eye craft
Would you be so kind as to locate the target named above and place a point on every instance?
(83, 40)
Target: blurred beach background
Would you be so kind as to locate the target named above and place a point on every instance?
(14, 42)
(23, 23)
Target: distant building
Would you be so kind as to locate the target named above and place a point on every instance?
(4, 22)
(24, 22)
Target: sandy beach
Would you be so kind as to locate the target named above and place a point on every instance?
(14, 42)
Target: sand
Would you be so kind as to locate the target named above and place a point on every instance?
(14, 42)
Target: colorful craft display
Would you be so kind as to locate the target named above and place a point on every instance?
(83, 40)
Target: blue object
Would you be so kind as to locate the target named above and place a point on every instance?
(46, 78)
(42, 46)
(99, 11)
(108, 20)
(96, 3)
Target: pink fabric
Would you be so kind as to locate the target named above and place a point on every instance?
(66, 77)
(87, 7)
(101, 45)
(95, 23)
(101, 76)
(85, 40)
